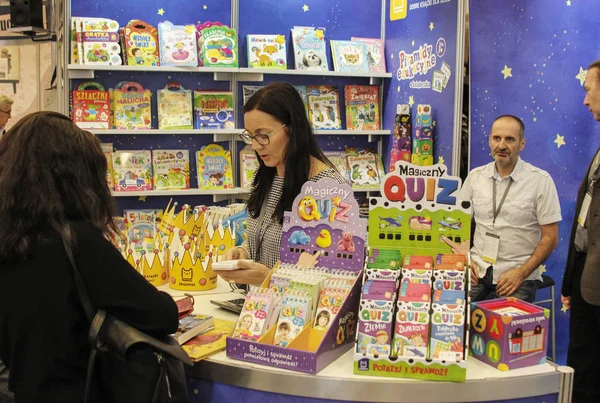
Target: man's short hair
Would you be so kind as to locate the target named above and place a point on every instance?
(5, 101)
(595, 65)
(516, 119)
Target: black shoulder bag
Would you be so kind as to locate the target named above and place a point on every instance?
(126, 364)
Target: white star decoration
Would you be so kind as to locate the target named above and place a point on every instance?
(507, 71)
(305, 8)
(581, 76)
(560, 140)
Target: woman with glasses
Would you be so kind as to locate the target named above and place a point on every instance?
(279, 132)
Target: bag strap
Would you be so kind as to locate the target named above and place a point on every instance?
(90, 312)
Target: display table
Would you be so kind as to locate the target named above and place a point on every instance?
(220, 379)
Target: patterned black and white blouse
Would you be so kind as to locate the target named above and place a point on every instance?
(270, 231)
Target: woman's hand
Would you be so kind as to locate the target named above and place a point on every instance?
(235, 254)
(247, 273)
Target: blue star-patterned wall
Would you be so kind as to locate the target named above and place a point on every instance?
(528, 59)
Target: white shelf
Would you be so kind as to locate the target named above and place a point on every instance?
(253, 71)
(352, 132)
(218, 134)
(218, 195)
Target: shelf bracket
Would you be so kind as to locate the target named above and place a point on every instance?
(222, 76)
(221, 197)
(219, 137)
(81, 74)
(373, 138)
(251, 77)
(375, 80)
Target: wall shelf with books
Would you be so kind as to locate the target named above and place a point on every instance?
(218, 195)
(218, 134)
(257, 75)
(86, 71)
(373, 134)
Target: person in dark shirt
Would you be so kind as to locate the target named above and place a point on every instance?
(53, 187)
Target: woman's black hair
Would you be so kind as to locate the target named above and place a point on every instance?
(283, 102)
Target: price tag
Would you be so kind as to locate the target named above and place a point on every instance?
(585, 206)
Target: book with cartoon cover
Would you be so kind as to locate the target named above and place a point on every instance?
(141, 44)
(131, 105)
(175, 108)
(213, 165)
(267, 51)
(140, 226)
(375, 53)
(324, 107)
(362, 107)
(309, 48)
(209, 342)
(91, 106)
(97, 41)
(177, 44)
(213, 110)
(349, 56)
(248, 166)
(219, 47)
(107, 149)
(363, 168)
(193, 325)
(133, 170)
(171, 169)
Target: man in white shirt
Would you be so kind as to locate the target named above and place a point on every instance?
(516, 212)
(5, 112)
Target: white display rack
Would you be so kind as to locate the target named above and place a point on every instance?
(218, 134)
(218, 195)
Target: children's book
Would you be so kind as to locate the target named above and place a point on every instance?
(171, 169)
(131, 106)
(309, 48)
(177, 44)
(324, 107)
(249, 90)
(107, 148)
(193, 325)
(375, 53)
(199, 29)
(302, 91)
(362, 107)
(349, 56)
(175, 108)
(141, 229)
(267, 51)
(294, 315)
(133, 170)
(210, 342)
(338, 159)
(214, 168)
(213, 110)
(219, 45)
(141, 44)
(363, 168)
(98, 41)
(248, 167)
(91, 106)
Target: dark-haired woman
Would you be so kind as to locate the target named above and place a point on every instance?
(53, 187)
(279, 132)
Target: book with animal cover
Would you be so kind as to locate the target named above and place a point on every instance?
(338, 159)
(349, 56)
(213, 166)
(267, 51)
(132, 108)
(219, 47)
(98, 41)
(210, 342)
(309, 48)
(133, 170)
(177, 44)
(302, 91)
(171, 169)
(362, 107)
(141, 44)
(249, 90)
(324, 107)
(175, 108)
(248, 166)
(375, 53)
(213, 110)
(193, 325)
(91, 106)
(363, 168)
(107, 149)
(199, 28)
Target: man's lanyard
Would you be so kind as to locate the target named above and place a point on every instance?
(497, 211)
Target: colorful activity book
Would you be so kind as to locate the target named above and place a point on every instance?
(199, 29)
(131, 106)
(338, 159)
(91, 106)
(213, 110)
(141, 229)
(362, 107)
(177, 44)
(375, 53)
(133, 170)
(209, 342)
(193, 325)
(171, 169)
(324, 107)
(248, 167)
(349, 56)
(175, 108)
(219, 47)
(214, 168)
(97, 41)
(107, 149)
(267, 51)
(363, 168)
(309, 48)
(141, 44)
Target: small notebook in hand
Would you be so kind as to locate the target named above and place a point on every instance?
(193, 325)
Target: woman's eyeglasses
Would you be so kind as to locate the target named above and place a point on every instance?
(262, 139)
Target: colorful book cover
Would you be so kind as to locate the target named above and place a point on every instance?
(362, 107)
(219, 44)
(267, 51)
(175, 108)
(249, 90)
(97, 41)
(91, 107)
(375, 53)
(338, 159)
(210, 342)
(349, 56)
(171, 169)
(309, 48)
(141, 228)
(324, 107)
(193, 325)
(199, 29)
(294, 315)
(213, 110)
(177, 44)
(133, 170)
(141, 44)
(214, 168)
(107, 149)
(248, 166)
(131, 106)
(362, 168)
(302, 91)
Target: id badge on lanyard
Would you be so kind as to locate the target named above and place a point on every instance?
(492, 238)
